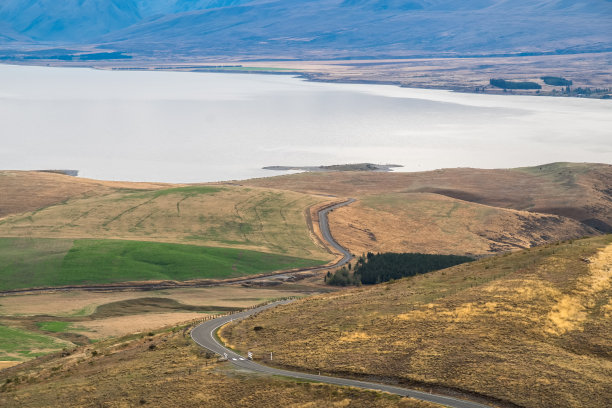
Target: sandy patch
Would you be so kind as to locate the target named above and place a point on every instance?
(7, 364)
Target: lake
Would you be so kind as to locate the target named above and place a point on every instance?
(190, 127)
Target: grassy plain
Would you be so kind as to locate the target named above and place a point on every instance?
(32, 262)
(80, 317)
(166, 369)
(531, 328)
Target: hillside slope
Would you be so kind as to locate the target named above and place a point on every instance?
(531, 328)
(472, 211)
(581, 191)
(434, 223)
(162, 370)
(40, 205)
(319, 28)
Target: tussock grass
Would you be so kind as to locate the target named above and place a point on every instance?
(166, 368)
(532, 328)
(433, 223)
(462, 210)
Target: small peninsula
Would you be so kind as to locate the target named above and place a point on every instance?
(338, 167)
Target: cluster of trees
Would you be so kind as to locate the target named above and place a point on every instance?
(502, 83)
(384, 267)
(556, 81)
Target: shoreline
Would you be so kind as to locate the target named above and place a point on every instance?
(272, 67)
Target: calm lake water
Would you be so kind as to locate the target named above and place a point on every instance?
(189, 127)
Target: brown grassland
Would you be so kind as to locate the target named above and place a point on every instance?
(86, 316)
(469, 211)
(436, 224)
(24, 191)
(531, 328)
(166, 369)
(227, 216)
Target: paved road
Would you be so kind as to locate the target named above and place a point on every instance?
(204, 335)
(324, 227)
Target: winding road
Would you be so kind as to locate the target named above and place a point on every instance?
(324, 227)
(204, 335)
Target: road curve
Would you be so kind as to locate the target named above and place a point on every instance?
(323, 226)
(204, 335)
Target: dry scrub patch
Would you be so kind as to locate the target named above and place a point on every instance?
(166, 369)
(433, 223)
(482, 327)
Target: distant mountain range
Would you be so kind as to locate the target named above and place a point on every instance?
(312, 28)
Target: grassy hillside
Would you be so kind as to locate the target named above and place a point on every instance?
(166, 369)
(531, 328)
(31, 262)
(433, 223)
(223, 216)
(24, 191)
(463, 210)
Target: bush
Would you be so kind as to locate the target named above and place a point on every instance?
(342, 277)
(389, 266)
(556, 81)
(501, 83)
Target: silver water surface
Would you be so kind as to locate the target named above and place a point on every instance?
(188, 127)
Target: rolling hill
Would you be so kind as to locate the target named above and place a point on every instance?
(62, 230)
(471, 211)
(530, 329)
(166, 369)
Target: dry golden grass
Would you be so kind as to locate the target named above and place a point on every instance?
(165, 370)
(29, 190)
(249, 218)
(432, 223)
(462, 210)
(579, 191)
(93, 316)
(138, 323)
(531, 328)
(82, 303)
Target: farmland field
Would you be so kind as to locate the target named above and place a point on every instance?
(45, 262)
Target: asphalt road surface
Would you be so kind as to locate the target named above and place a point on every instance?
(324, 227)
(204, 335)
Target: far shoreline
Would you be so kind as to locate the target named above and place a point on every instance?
(275, 67)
